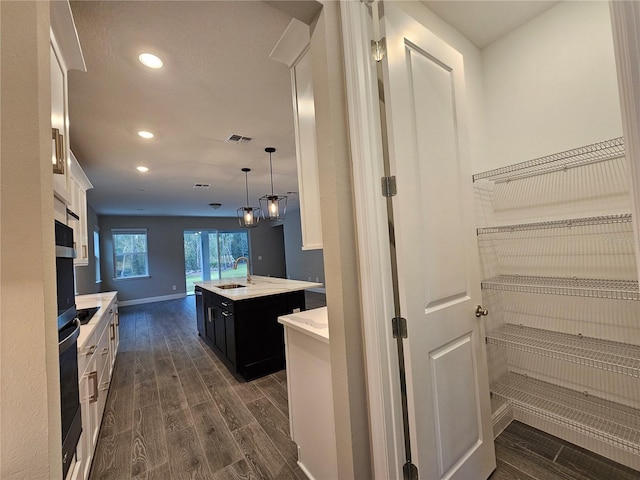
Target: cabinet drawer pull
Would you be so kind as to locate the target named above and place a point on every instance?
(105, 350)
(94, 396)
(112, 327)
(117, 319)
(84, 251)
(104, 386)
(226, 314)
(209, 314)
(90, 350)
(225, 304)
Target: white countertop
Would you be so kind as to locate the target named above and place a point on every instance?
(314, 322)
(101, 300)
(260, 287)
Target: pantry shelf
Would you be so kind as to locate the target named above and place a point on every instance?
(608, 422)
(565, 223)
(597, 152)
(615, 357)
(575, 287)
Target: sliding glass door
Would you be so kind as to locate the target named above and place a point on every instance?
(211, 254)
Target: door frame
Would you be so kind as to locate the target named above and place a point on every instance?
(383, 380)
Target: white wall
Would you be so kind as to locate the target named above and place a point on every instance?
(550, 85)
(30, 442)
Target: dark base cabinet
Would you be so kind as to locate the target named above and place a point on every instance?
(245, 334)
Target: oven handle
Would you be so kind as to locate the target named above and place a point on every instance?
(66, 343)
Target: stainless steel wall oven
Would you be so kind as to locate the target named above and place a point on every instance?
(68, 332)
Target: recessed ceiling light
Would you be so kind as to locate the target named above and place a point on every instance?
(150, 60)
(145, 134)
(142, 169)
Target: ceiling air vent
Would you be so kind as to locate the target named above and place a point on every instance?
(201, 185)
(237, 139)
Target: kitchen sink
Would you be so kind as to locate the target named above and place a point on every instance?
(229, 285)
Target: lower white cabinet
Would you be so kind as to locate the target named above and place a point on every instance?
(310, 392)
(97, 350)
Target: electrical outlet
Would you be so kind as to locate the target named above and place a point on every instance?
(296, 310)
(173, 287)
(259, 257)
(317, 281)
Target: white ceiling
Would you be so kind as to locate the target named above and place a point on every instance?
(484, 22)
(218, 80)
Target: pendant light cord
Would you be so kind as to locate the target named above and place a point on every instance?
(271, 170)
(246, 184)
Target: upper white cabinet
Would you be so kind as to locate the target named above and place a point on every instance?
(65, 55)
(77, 211)
(293, 50)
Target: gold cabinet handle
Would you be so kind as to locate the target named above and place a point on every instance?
(94, 396)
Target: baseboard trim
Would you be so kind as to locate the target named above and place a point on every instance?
(140, 301)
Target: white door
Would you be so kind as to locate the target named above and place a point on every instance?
(438, 266)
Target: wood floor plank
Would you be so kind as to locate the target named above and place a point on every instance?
(112, 458)
(237, 471)
(193, 348)
(248, 392)
(123, 376)
(261, 455)
(177, 420)
(144, 366)
(171, 395)
(194, 389)
(504, 471)
(276, 426)
(594, 467)
(523, 436)
(163, 472)
(219, 447)
(149, 448)
(186, 456)
(533, 464)
(275, 392)
(118, 412)
(233, 411)
(145, 393)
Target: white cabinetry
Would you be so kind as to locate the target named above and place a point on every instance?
(78, 186)
(65, 55)
(97, 350)
(310, 393)
(293, 50)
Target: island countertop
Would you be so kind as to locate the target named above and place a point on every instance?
(260, 286)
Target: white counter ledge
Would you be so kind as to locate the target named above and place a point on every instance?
(102, 300)
(260, 286)
(314, 322)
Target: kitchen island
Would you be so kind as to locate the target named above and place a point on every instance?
(239, 321)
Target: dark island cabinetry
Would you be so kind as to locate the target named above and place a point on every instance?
(245, 334)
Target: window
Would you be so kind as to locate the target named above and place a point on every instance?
(130, 253)
(96, 254)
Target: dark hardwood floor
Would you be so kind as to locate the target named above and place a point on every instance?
(175, 412)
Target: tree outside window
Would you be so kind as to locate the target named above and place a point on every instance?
(130, 253)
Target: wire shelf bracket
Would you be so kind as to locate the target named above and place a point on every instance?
(596, 152)
(615, 357)
(573, 286)
(608, 422)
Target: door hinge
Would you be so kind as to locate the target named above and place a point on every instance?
(379, 49)
(409, 471)
(399, 327)
(389, 186)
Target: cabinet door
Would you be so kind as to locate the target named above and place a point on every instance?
(229, 336)
(59, 121)
(219, 329)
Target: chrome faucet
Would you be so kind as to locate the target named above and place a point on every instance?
(235, 267)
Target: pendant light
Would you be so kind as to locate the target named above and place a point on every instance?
(273, 206)
(247, 215)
